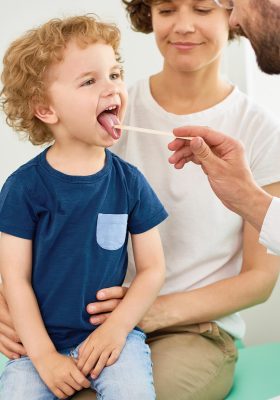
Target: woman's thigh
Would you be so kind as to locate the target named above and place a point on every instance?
(193, 363)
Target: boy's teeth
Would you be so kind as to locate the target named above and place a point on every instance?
(111, 108)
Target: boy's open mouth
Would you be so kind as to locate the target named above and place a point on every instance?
(108, 118)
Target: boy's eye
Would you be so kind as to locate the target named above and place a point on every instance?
(88, 82)
(115, 75)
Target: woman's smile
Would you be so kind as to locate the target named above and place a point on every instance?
(185, 45)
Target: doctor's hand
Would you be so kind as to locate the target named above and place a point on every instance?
(223, 160)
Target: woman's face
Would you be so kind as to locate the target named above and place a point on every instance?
(190, 34)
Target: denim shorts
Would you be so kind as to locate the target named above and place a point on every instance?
(129, 378)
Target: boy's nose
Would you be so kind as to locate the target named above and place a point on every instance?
(110, 89)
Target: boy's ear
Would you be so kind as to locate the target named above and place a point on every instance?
(46, 114)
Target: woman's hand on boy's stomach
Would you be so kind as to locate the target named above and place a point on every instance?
(108, 300)
(101, 349)
(61, 374)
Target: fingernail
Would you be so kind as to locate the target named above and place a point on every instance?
(15, 356)
(101, 295)
(93, 376)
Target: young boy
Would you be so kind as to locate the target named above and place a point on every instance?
(65, 218)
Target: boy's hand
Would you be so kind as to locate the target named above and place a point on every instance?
(101, 349)
(60, 374)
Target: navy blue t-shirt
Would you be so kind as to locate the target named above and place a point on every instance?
(79, 227)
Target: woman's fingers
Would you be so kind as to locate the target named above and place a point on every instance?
(5, 317)
(115, 292)
(109, 299)
(9, 340)
(9, 332)
(99, 319)
(103, 306)
(10, 348)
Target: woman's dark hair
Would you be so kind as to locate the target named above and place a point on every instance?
(139, 12)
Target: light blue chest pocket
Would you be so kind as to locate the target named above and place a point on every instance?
(111, 230)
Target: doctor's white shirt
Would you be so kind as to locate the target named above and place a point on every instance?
(270, 232)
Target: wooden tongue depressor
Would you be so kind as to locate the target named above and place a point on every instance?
(152, 131)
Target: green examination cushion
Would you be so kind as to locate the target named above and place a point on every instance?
(257, 375)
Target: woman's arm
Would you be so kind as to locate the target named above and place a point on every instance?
(252, 286)
(10, 344)
(16, 267)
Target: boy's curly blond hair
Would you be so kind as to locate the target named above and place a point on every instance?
(27, 60)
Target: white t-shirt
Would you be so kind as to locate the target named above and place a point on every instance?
(270, 233)
(202, 239)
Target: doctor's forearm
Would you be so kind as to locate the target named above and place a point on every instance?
(253, 206)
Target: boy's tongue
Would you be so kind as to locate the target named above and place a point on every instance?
(108, 120)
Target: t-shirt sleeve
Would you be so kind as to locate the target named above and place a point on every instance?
(265, 160)
(17, 217)
(146, 211)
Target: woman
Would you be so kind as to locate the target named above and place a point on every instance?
(215, 266)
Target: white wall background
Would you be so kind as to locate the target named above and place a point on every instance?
(141, 59)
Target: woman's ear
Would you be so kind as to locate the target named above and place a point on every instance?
(46, 114)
